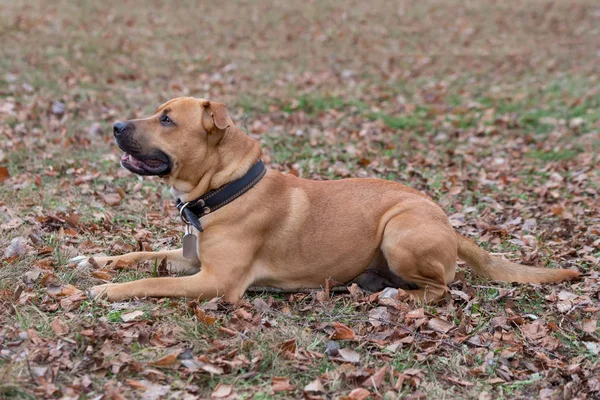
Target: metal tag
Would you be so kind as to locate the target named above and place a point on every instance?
(190, 244)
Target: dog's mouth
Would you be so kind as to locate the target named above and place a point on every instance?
(157, 163)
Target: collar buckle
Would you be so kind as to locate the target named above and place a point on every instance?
(182, 214)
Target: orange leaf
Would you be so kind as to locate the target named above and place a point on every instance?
(289, 346)
(4, 174)
(205, 318)
(166, 361)
(342, 332)
(135, 384)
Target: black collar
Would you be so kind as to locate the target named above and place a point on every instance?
(192, 211)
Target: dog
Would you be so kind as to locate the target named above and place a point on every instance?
(275, 230)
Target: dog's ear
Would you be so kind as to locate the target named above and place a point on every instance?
(217, 113)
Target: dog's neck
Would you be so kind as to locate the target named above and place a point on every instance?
(235, 154)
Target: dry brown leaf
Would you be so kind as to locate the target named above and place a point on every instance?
(59, 327)
(212, 369)
(4, 174)
(589, 325)
(376, 379)
(111, 199)
(130, 316)
(358, 394)
(222, 390)
(415, 314)
(535, 330)
(289, 346)
(439, 325)
(12, 224)
(378, 316)
(349, 355)
(315, 387)
(135, 384)
(281, 384)
(342, 332)
(166, 361)
(205, 318)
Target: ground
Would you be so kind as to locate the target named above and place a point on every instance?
(491, 108)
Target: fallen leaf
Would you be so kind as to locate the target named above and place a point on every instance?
(414, 314)
(130, 316)
(358, 394)
(205, 318)
(349, 355)
(439, 325)
(535, 330)
(342, 332)
(111, 199)
(281, 384)
(12, 224)
(378, 316)
(457, 381)
(59, 327)
(136, 384)
(212, 369)
(289, 346)
(221, 391)
(18, 247)
(166, 361)
(4, 174)
(315, 387)
(376, 379)
(260, 304)
(589, 325)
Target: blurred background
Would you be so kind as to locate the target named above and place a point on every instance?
(466, 97)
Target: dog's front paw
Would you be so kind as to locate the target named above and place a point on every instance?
(106, 291)
(89, 262)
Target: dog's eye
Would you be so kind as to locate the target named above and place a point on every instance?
(166, 121)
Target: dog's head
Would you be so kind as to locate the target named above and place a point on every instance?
(176, 142)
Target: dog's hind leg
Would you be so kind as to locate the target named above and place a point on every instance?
(176, 263)
(422, 253)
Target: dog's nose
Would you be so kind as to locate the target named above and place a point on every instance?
(120, 127)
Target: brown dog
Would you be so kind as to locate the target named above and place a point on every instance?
(287, 232)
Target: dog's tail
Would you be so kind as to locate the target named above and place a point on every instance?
(495, 268)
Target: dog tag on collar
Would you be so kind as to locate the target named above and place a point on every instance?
(190, 244)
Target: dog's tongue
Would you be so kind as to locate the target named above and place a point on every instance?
(140, 163)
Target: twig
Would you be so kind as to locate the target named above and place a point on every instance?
(30, 372)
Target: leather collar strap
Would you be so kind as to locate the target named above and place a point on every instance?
(192, 211)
